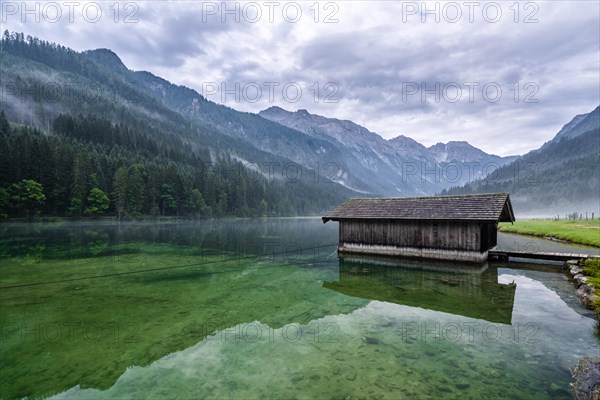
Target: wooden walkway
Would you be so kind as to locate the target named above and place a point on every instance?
(540, 255)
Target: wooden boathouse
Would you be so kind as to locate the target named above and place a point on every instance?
(461, 228)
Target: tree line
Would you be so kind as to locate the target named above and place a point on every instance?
(88, 166)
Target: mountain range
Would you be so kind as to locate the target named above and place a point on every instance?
(397, 167)
(293, 153)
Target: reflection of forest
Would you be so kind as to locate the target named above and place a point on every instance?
(442, 286)
(160, 287)
(230, 238)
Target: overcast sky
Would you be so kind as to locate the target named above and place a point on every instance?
(389, 66)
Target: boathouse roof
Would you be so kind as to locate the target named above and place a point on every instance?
(494, 207)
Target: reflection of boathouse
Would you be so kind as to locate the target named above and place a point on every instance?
(473, 292)
(442, 227)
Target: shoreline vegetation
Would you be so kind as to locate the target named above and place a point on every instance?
(586, 232)
(591, 270)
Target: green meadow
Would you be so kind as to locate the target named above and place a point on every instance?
(577, 231)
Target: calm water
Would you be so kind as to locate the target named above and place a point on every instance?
(255, 309)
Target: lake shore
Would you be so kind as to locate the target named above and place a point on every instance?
(586, 232)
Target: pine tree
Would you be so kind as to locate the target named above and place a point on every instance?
(120, 191)
(135, 190)
(4, 125)
(167, 199)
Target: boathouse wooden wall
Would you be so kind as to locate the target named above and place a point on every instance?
(449, 235)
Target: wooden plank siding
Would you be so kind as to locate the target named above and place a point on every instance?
(449, 235)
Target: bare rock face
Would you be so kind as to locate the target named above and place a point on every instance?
(586, 375)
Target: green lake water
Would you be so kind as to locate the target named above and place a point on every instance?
(265, 309)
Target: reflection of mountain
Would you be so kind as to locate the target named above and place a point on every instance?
(451, 288)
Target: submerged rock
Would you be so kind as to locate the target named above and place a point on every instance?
(462, 384)
(587, 379)
(370, 340)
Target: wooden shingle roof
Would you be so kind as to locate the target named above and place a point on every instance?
(494, 207)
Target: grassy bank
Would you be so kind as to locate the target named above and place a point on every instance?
(591, 269)
(582, 232)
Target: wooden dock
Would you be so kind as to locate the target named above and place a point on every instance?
(539, 255)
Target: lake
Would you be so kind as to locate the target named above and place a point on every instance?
(265, 308)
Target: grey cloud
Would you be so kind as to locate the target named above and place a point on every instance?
(372, 66)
